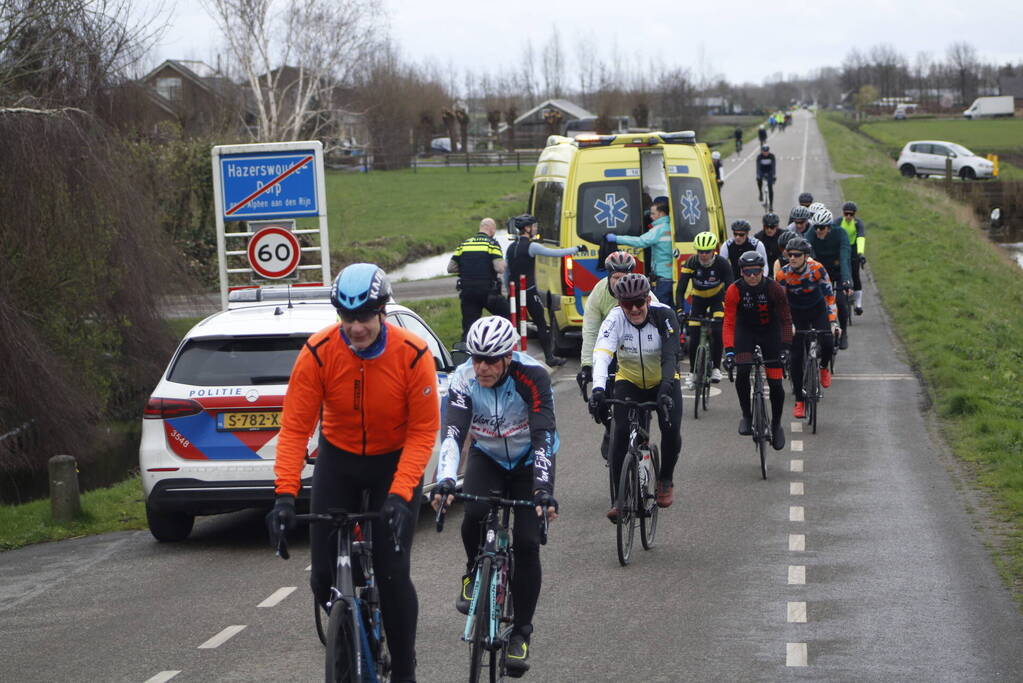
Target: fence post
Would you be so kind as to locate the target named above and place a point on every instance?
(365, 163)
(948, 173)
(65, 503)
(467, 162)
(518, 165)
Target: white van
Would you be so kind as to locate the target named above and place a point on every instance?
(990, 106)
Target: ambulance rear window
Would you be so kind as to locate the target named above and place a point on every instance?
(689, 208)
(609, 206)
(547, 207)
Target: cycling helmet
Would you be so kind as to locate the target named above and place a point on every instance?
(765, 148)
(800, 213)
(761, 126)
(798, 244)
(823, 217)
(815, 207)
(770, 220)
(849, 206)
(620, 262)
(360, 286)
(491, 336)
(806, 198)
(524, 221)
(715, 155)
(750, 259)
(705, 241)
(632, 286)
(741, 226)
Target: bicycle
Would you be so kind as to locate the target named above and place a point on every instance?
(760, 424)
(354, 637)
(812, 392)
(636, 499)
(702, 366)
(488, 625)
(738, 146)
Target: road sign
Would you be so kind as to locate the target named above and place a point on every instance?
(274, 252)
(269, 185)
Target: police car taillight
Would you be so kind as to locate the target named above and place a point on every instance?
(166, 408)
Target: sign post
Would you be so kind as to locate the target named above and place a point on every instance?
(264, 184)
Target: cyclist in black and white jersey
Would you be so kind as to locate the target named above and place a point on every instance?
(740, 243)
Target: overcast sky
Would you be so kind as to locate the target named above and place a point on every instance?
(744, 40)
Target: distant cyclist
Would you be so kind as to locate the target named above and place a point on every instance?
(644, 338)
(757, 313)
(768, 236)
(812, 302)
(372, 388)
(716, 158)
(737, 134)
(709, 274)
(767, 171)
(805, 199)
(853, 227)
(503, 400)
(799, 226)
(762, 134)
(831, 248)
(740, 243)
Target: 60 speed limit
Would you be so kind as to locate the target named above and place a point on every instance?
(274, 252)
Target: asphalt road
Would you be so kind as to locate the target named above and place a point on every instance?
(854, 561)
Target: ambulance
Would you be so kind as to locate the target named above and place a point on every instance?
(590, 185)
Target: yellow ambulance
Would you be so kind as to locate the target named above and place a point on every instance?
(590, 185)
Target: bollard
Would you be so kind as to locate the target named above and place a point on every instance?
(522, 311)
(948, 173)
(65, 503)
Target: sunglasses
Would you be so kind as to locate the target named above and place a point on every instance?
(631, 304)
(487, 360)
(737, 233)
(360, 316)
(704, 251)
(746, 272)
(849, 213)
(821, 227)
(801, 221)
(795, 254)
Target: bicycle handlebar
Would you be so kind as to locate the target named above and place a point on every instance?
(494, 502)
(338, 518)
(651, 405)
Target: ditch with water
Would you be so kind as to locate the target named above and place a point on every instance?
(999, 206)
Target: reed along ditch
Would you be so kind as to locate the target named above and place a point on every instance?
(999, 206)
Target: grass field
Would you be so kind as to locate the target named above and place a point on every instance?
(392, 217)
(983, 137)
(960, 319)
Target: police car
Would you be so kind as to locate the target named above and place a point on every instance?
(209, 430)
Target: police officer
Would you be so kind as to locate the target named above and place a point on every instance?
(479, 264)
(521, 260)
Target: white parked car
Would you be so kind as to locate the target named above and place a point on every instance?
(209, 430)
(922, 158)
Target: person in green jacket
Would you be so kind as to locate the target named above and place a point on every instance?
(599, 303)
(662, 248)
(853, 227)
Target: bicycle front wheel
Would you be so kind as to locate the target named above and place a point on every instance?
(341, 664)
(478, 645)
(648, 522)
(699, 378)
(812, 393)
(761, 429)
(628, 490)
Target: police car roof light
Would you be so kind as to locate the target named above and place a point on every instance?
(279, 293)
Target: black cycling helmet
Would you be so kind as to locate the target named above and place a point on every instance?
(741, 226)
(806, 199)
(798, 244)
(632, 286)
(750, 259)
(524, 221)
(620, 262)
(799, 213)
(765, 148)
(849, 206)
(770, 220)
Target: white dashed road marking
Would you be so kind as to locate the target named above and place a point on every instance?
(796, 513)
(797, 612)
(795, 465)
(277, 596)
(795, 488)
(797, 575)
(163, 676)
(795, 654)
(797, 445)
(222, 637)
(797, 427)
(797, 543)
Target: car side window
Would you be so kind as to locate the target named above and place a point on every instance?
(419, 328)
(940, 150)
(918, 148)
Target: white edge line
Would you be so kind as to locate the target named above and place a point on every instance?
(163, 676)
(277, 596)
(802, 171)
(222, 637)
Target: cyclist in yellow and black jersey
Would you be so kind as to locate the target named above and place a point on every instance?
(644, 337)
(709, 274)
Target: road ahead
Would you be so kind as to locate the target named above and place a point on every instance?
(854, 561)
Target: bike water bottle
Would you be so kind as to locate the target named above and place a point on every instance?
(644, 469)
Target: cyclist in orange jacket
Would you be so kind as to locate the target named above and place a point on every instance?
(373, 388)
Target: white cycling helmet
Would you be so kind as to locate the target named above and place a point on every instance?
(823, 217)
(715, 155)
(815, 207)
(491, 336)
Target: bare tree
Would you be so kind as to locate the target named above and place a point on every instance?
(527, 73)
(962, 58)
(553, 65)
(295, 55)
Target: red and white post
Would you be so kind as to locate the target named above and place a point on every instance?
(522, 311)
(514, 310)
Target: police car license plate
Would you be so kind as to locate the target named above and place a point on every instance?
(249, 421)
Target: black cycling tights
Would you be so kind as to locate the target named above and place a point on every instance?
(770, 190)
(671, 431)
(817, 318)
(483, 476)
(339, 480)
(769, 339)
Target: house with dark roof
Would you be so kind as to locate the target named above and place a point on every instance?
(195, 96)
(1012, 85)
(550, 117)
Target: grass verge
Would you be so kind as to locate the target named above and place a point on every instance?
(116, 508)
(443, 315)
(959, 312)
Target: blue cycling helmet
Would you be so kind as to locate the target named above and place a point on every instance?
(360, 286)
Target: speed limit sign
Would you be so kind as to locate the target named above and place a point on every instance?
(274, 252)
